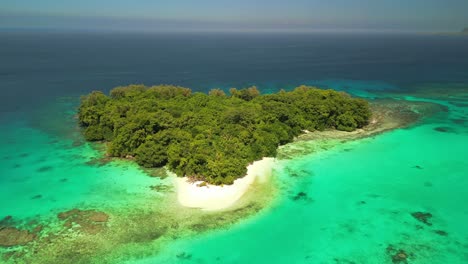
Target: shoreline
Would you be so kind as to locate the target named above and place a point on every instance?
(388, 115)
(215, 198)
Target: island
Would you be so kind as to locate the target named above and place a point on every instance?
(465, 31)
(211, 137)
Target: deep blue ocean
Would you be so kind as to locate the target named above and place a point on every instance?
(358, 199)
(36, 67)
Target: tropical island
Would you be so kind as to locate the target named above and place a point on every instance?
(211, 137)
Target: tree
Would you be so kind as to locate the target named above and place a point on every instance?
(211, 137)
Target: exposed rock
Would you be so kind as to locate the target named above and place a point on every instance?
(11, 236)
(423, 217)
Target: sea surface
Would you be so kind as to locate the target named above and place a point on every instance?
(353, 202)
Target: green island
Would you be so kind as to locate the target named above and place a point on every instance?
(211, 137)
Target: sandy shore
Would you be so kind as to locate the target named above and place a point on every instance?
(212, 197)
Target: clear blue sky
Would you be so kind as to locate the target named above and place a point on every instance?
(169, 15)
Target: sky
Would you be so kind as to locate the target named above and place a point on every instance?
(236, 15)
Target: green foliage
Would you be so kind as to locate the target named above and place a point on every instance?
(211, 137)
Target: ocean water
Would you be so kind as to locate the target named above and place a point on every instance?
(357, 198)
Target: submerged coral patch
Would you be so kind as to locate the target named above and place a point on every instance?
(397, 255)
(444, 129)
(184, 255)
(301, 196)
(441, 232)
(458, 121)
(35, 197)
(89, 221)
(423, 217)
(99, 162)
(6, 221)
(45, 169)
(11, 236)
(161, 188)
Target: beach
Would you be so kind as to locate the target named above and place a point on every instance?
(212, 197)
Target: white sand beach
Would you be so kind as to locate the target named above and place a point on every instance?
(212, 197)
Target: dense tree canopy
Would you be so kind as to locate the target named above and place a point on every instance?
(212, 136)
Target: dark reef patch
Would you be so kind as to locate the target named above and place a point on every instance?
(422, 217)
(24, 155)
(35, 197)
(11, 236)
(441, 233)
(45, 169)
(427, 184)
(343, 261)
(54, 141)
(38, 229)
(398, 255)
(6, 221)
(444, 129)
(459, 104)
(161, 188)
(16, 166)
(300, 196)
(89, 221)
(99, 162)
(418, 167)
(184, 255)
(458, 121)
(77, 143)
(63, 180)
(41, 160)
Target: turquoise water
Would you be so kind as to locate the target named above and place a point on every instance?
(359, 199)
(44, 174)
(352, 203)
